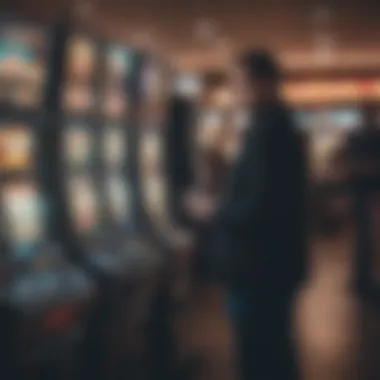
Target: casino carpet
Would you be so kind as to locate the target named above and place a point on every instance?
(328, 322)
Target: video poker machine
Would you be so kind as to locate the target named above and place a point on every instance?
(43, 297)
(136, 261)
(156, 224)
(118, 107)
(118, 67)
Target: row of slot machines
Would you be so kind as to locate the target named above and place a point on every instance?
(82, 185)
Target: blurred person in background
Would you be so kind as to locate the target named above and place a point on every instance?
(370, 118)
(361, 152)
(258, 242)
(179, 164)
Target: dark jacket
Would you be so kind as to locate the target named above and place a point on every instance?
(259, 238)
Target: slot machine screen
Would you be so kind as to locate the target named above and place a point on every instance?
(114, 148)
(81, 60)
(152, 83)
(153, 177)
(374, 213)
(16, 148)
(150, 154)
(155, 200)
(115, 104)
(84, 204)
(119, 63)
(118, 67)
(188, 85)
(119, 199)
(23, 211)
(78, 145)
(22, 65)
(151, 147)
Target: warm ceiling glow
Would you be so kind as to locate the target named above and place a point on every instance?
(322, 14)
(142, 40)
(205, 31)
(83, 9)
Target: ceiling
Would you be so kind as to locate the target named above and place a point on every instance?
(285, 26)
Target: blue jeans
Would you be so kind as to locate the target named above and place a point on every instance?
(261, 324)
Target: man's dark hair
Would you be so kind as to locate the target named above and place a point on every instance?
(260, 64)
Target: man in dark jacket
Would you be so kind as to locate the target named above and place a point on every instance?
(259, 229)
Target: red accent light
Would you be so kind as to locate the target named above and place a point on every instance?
(60, 318)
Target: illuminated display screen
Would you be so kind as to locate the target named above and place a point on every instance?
(150, 153)
(374, 209)
(153, 178)
(78, 145)
(22, 65)
(119, 63)
(155, 197)
(119, 198)
(84, 204)
(151, 145)
(115, 104)
(23, 210)
(152, 85)
(114, 149)
(16, 148)
(118, 67)
(188, 85)
(81, 62)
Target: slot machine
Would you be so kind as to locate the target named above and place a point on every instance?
(137, 256)
(82, 189)
(95, 151)
(152, 174)
(156, 225)
(44, 297)
(80, 146)
(98, 195)
(117, 184)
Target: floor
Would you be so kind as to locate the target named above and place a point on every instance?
(328, 321)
